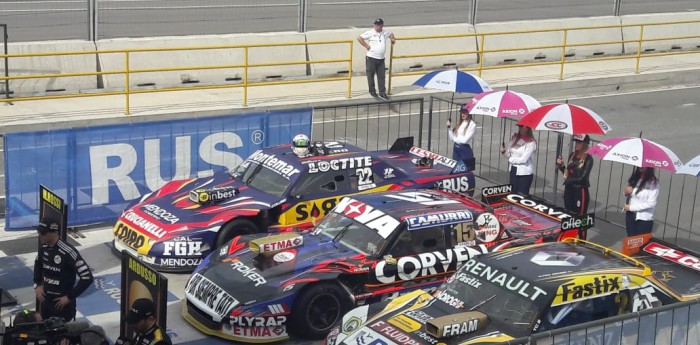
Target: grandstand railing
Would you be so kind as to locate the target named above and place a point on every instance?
(346, 57)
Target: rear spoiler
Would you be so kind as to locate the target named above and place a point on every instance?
(647, 245)
(401, 145)
(495, 194)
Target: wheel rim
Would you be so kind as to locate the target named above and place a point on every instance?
(322, 311)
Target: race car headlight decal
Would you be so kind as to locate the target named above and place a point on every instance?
(205, 248)
(145, 196)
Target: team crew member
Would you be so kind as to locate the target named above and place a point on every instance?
(462, 135)
(375, 41)
(142, 318)
(520, 150)
(576, 173)
(55, 270)
(642, 192)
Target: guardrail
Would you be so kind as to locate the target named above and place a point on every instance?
(127, 71)
(562, 61)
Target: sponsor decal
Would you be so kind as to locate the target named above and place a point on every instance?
(519, 199)
(455, 184)
(505, 280)
(604, 126)
(673, 255)
(429, 220)
(143, 224)
(467, 280)
(405, 323)
(276, 243)
(277, 309)
(255, 333)
(556, 125)
(656, 163)
(496, 190)
(583, 222)
(632, 244)
(604, 147)
(394, 335)
(425, 264)
(622, 156)
(339, 164)
(488, 227)
(451, 330)
(418, 315)
(645, 298)
(450, 300)
(556, 258)
(417, 151)
(520, 222)
(365, 214)
(52, 281)
(57, 259)
(594, 286)
(389, 173)
(216, 194)
(209, 296)
(129, 236)
(283, 257)
(422, 198)
(179, 262)
(257, 321)
(248, 272)
(465, 233)
(159, 213)
(51, 268)
(427, 337)
(277, 165)
(182, 247)
(315, 209)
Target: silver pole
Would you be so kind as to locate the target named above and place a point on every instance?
(96, 19)
(616, 8)
(90, 16)
(472, 12)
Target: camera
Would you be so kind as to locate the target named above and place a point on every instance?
(47, 332)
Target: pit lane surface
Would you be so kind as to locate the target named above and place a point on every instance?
(667, 116)
(37, 20)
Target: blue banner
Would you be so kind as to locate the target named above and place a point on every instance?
(99, 170)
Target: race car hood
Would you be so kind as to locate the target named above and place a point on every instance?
(249, 276)
(430, 320)
(196, 204)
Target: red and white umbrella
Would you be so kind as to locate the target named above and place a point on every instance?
(502, 104)
(638, 152)
(565, 118)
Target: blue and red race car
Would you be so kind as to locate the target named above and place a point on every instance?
(371, 247)
(175, 227)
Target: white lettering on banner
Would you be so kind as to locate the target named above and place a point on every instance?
(418, 315)
(460, 328)
(455, 184)
(143, 224)
(428, 220)
(248, 272)
(673, 255)
(273, 163)
(367, 215)
(122, 175)
(537, 206)
(448, 162)
(450, 300)
(340, 164)
(159, 213)
(505, 280)
(422, 198)
(488, 191)
(257, 321)
(209, 296)
(182, 248)
(175, 262)
(425, 264)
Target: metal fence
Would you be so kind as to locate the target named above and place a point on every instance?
(677, 324)
(101, 19)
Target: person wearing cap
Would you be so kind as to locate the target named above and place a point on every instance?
(55, 269)
(520, 150)
(576, 170)
(462, 136)
(375, 41)
(142, 319)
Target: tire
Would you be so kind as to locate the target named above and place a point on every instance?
(241, 226)
(318, 309)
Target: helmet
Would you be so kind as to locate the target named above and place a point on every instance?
(300, 145)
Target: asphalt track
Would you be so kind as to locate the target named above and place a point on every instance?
(37, 20)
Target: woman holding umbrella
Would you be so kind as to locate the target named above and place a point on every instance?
(642, 191)
(576, 171)
(519, 151)
(462, 135)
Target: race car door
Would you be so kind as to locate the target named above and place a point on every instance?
(315, 195)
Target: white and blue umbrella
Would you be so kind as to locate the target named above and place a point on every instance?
(691, 168)
(453, 80)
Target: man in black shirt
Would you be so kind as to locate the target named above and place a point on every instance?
(142, 318)
(55, 269)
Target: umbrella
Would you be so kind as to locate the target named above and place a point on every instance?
(453, 80)
(502, 104)
(565, 118)
(691, 168)
(638, 152)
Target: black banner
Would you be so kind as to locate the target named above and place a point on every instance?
(494, 194)
(141, 281)
(53, 209)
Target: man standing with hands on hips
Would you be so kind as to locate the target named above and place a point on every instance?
(375, 41)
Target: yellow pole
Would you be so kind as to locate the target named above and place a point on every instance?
(563, 56)
(126, 78)
(391, 66)
(245, 77)
(481, 55)
(639, 48)
(350, 72)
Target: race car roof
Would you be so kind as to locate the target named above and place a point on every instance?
(408, 204)
(541, 263)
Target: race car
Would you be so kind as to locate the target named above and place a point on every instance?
(273, 190)
(372, 247)
(514, 293)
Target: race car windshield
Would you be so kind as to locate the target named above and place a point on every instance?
(509, 308)
(261, 178)
(350, 233)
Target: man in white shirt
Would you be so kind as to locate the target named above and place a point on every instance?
(374, 41)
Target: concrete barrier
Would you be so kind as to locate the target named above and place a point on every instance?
(49, 65)
(661, 31)
(401, 48)
(233, 56)
(555, 38)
